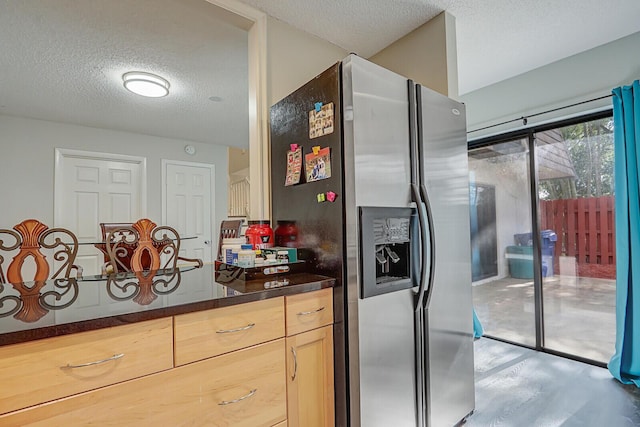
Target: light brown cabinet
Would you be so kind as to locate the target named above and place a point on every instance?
(213, 332)
(230, 366)
(310, 392)
(48, 369)
(310, 384)
(245, 388)
(309, 311)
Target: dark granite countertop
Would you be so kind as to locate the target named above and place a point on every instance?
(38, 310)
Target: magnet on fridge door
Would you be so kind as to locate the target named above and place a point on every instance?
(321, 197)
(331, 196)
(318, 106)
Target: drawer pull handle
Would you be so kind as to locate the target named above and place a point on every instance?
(97, 362)
(306, 313)
(295, 364)
(240, 399)
(244, 328)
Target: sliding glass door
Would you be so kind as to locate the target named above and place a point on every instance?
(576, 198)
(500, 211)
(543, 237)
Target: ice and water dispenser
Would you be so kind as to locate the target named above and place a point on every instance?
(389, 250)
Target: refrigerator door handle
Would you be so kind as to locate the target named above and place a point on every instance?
(432, 245)
(424, 197)
(424, 222)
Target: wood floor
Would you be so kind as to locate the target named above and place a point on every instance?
(518, 387)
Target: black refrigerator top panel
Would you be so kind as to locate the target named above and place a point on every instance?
(306, 170)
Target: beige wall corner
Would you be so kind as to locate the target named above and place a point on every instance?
(427, 55)
(295, 57)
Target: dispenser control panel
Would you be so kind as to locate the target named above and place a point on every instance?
(389, 230)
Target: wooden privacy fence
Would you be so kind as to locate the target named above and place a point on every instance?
(586, 232)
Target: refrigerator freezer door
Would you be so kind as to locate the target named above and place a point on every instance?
(376, 135)
(444, 173)
(377, 166)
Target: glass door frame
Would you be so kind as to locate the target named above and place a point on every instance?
(529, 134)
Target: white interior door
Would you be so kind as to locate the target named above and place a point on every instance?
(91, 188)
(188, 206)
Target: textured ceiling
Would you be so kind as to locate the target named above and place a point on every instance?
(62, 60)
(497, 39)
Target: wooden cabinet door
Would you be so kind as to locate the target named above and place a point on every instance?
(310, 378)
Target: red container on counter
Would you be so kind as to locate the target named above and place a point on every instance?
(286, 234)
(260, 234)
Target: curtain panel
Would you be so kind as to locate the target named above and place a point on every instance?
(625, 363)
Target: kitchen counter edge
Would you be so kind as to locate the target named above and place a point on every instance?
(17, 337)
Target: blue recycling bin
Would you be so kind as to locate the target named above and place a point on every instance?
(548, 239)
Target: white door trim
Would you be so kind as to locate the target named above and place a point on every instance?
(212, 190)
(62, 153)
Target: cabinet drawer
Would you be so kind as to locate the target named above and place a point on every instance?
(43, 370)
(309, 311)
(246, 388)
(213, 332)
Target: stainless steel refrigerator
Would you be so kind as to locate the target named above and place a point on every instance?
(388, 217)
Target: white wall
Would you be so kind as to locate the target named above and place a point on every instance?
(578, 78)
(27, 164)
(513, 214)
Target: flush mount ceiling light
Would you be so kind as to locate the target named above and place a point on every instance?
(145, 84)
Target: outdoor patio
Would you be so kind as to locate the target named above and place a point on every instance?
(579, 313)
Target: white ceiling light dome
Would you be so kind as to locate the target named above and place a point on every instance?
(145, 84)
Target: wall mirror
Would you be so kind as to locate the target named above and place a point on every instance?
(78, 148)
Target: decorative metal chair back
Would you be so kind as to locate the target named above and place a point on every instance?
(29, 302)
(229, 229)
(143, 246)
(30, 237)
(124, 254)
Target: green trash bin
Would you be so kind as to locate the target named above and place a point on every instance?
(520, 260)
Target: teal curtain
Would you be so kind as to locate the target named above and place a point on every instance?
(477, 326)
(625, 363)
(475, 251)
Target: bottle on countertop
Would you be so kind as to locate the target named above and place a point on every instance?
(260, 258)
(286, 234)
(260, 234)
(282, 257)
(228, 244)
(246, 256)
